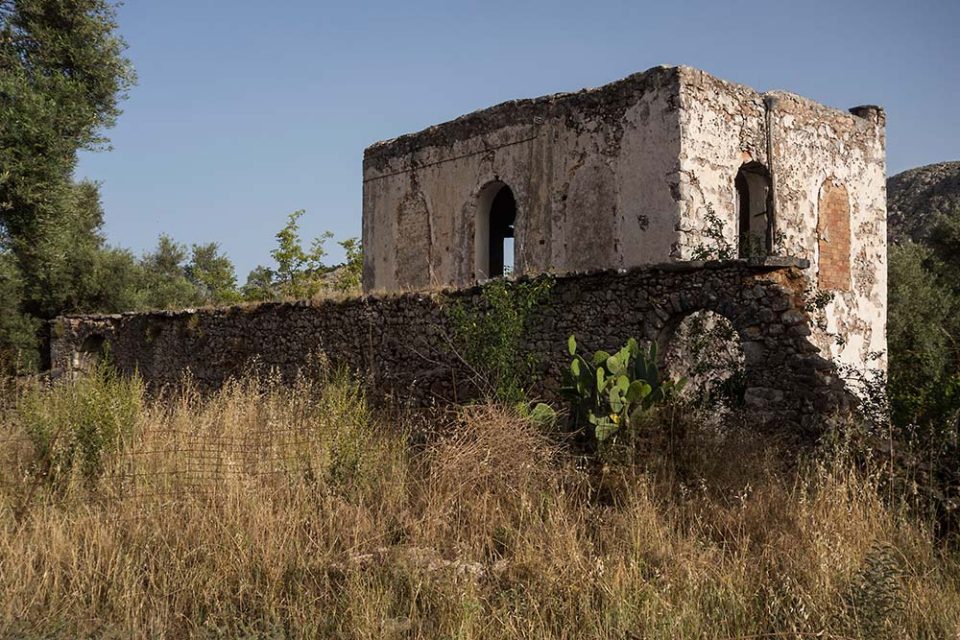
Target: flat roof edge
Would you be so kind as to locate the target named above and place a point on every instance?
(516, 112)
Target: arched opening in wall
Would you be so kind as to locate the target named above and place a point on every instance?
(91, 352)
(705, 349)
(755, 223)
(833, 237)
(494, 242)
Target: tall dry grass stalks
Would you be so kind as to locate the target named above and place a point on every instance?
(272, 511)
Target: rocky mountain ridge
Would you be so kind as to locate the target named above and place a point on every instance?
(915, 197)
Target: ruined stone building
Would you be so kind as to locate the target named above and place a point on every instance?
(651, 199)
(640, 171)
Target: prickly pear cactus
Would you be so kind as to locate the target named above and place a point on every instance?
(610, 391)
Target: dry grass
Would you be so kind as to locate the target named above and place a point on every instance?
(266, 511)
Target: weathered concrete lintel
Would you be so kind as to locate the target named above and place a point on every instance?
(760, 263)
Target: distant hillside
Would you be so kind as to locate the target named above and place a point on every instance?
(916, 196)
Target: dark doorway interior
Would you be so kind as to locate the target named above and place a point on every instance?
(755, 228)
(743, 199)
(503, 215)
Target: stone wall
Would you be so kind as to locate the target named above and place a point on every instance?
(627, 174)
(402, 344)
(810, 150)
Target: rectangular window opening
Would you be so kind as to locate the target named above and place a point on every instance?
(507, 256)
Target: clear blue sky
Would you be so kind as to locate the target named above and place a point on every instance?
(246, 111)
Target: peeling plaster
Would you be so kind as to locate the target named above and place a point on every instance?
(623, 175)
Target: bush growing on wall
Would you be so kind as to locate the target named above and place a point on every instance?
(489, 336)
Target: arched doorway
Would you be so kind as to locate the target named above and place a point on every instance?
(494, 243)
(704, 348)
(754, 207)
(91, 352)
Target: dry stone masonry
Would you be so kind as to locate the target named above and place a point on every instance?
(404, 347)
(628, 174)
(619, 193)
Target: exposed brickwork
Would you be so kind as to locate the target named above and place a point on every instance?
(833, 233)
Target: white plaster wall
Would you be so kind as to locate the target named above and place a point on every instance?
(648, 179)
(811, 144)
(723, 126)
(623, 176)
(595, 188)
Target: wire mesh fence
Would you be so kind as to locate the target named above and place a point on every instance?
(167, 463)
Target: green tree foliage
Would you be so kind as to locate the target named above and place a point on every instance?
(172, 276)
(923, 330)
(945, 242)
(350, 275)
(119, 276)
(259, 285)
(62, 77)
(923, 335)
(165, 279)
(17, 331)
(213, 275)
(78, 272)
(299, 272)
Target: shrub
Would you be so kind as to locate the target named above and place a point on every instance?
(267, 510)
(73, 426)
(489, 336)
(718, 246)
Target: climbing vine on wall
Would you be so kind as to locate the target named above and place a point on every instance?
(718, 247)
